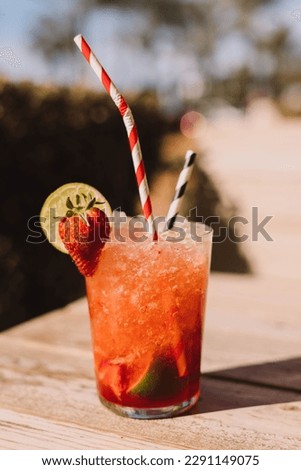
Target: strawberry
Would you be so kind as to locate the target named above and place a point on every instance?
(84, 231)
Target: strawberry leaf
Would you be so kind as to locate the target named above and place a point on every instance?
(91, 204)
(69, 203)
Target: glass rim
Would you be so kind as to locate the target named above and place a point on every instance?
(122, 233)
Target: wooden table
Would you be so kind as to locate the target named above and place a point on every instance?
(251, 383)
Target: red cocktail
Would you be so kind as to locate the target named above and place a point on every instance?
(147, 305)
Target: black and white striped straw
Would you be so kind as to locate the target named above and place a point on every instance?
(180, 190)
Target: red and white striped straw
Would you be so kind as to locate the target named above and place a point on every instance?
(131, 129)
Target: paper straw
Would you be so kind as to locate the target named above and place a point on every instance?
(131, 129)
(180, 190)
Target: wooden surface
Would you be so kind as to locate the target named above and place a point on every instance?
(251, 383)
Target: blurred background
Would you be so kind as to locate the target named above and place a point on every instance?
(222, 78)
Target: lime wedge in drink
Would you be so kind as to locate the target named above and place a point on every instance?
(161, 380)
(73, 196)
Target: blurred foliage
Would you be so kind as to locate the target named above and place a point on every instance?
(187, 15)
(196, 27)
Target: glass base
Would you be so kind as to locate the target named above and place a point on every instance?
(151, 413)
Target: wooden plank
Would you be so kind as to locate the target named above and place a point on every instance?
(57, 386)
(19, 431)
(67, 327)
(251, 388)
